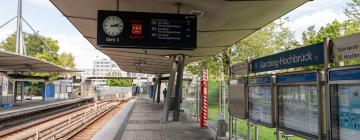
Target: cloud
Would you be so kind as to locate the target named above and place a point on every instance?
(42, 3)
(83, 51)
(318, 13)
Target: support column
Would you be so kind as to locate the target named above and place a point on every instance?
(178, 89)
(155, 88)
(158, 91)
(22, 91)
(170, 91)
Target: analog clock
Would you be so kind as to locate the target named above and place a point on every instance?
(113, 25)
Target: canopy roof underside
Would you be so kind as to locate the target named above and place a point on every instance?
(20, 63)
(224, 23)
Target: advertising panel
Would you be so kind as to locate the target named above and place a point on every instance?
(345, 102)
(349, 111)
(122, 29)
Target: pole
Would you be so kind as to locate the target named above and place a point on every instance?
(178, 89)
(159, 90)
(170, 91)
(19, 31)
(256, 132)
(325, 96)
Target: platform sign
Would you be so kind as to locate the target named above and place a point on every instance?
(260, 100)
(304, 56)
(345, 103)
(204, 99)
(240, 69)
(5, 85)
(120, 29)
(298, 104)
(347, 48)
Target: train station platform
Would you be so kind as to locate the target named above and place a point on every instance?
(36, 105)
(141, 120)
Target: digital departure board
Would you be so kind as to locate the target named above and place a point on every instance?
(142, 30)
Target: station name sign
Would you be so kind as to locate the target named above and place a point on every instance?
(120, 29)
(304, 56)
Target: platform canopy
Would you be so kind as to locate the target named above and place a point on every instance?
(20, 63)
(222, 24)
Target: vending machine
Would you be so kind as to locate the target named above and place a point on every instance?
(261, 100)
(344, 87)
(298, 103)
(238, 98)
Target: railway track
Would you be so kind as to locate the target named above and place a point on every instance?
(63, 126)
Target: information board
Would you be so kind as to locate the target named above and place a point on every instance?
(304, 56)
(238, 98)
(260, 109)
(122, 29)
(299, 109)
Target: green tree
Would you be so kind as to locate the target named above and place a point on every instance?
(353, 10)
(67, 60)
(119, 82)
(35, 47)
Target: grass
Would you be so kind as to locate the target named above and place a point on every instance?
(265, 133)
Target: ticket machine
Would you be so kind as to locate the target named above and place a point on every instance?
(344, 85)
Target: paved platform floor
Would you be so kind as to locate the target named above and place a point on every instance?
(143, 123)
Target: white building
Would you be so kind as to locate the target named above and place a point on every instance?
(106, 68)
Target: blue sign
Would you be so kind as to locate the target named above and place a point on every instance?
(304, 56)
(351, 74)
(260, 80)
(301, 77)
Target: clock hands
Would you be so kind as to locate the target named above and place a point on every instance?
(116, 25)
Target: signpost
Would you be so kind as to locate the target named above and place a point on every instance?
(304, 56)
(347, 48)
(119, 29)
(204, 99)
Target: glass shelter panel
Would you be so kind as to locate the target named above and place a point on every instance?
(299, 108)
(260, 104)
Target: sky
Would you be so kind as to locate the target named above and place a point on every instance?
(46, 19)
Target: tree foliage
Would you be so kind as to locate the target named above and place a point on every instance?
(119, 82)
(47, 50)
(273, 38)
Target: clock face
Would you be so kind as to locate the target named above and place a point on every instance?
(113, 25)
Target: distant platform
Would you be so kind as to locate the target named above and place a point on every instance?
(140, 120)
(35, 105)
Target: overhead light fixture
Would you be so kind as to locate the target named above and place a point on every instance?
(198, 13)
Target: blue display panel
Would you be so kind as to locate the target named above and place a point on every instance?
(304, 56)
(260, 110)
(298, 108)
(260, 80)
(349, 111)
(300, 77)
(349, 74)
